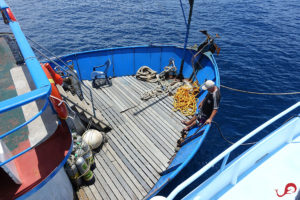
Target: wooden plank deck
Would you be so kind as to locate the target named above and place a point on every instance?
(140, 144)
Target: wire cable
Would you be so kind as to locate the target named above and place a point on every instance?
(230, 142)
(260, 93)
(250, 143)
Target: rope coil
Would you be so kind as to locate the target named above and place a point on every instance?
(164, 88)
(185, 99)
(145, 73)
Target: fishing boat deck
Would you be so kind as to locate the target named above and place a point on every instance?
(140, 145)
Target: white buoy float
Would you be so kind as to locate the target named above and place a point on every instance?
(93, 138)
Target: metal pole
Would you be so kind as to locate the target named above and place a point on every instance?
(180, 76)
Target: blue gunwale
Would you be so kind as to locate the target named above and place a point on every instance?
(49, 177)
(43, 86)
(42, 91)
(193, 145)
(126, 47)
(85, 60)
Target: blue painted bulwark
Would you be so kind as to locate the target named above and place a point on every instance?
(127, 60)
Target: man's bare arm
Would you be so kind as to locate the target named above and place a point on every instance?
(213, 114)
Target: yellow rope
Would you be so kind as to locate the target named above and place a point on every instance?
(185, 99)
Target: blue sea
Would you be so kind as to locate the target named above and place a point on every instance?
(260, 48)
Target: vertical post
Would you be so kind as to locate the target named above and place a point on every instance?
(224, 162)
(180, 76)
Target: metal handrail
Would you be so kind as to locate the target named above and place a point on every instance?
(25, 123)
(17, 128)
(39, 78)
(68, 72)
(23, 99)
(224, 155)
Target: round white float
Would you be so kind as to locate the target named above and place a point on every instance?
(93, 138)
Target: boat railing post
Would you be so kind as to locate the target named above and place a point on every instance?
(81, 83)
(225, 159)
(92, 100)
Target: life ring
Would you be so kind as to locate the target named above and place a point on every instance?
(55, 98)
(10, 14)
(56, 77)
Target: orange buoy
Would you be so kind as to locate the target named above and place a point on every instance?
(55, 98)
(10, 14)
(56, 77)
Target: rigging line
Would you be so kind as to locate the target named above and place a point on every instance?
(250, 143)
(293, 116)
(45, 49)
(183, 13)
(260, 93)
(221, 133)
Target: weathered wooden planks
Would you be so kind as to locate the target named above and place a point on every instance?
(140, 144)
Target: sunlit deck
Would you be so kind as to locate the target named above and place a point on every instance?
(140, 145)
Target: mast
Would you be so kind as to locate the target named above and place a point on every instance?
(180, 76)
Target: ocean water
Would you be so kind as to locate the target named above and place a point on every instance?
(260, 48)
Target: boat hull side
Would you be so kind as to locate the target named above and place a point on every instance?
(58, 187)
(127, 60)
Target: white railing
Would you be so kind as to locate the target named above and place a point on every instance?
(227, 152)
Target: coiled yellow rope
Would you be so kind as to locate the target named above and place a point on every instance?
(185, 99)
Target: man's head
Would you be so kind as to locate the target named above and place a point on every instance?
(209, 85)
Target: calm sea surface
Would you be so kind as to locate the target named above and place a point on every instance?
(260, 47)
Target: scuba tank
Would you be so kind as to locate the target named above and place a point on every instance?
(78, 139)
(72, 171)
(83, 150)
(88, 155)
(84, 169)
(75, 145)
(79, 152)
(74, 135)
